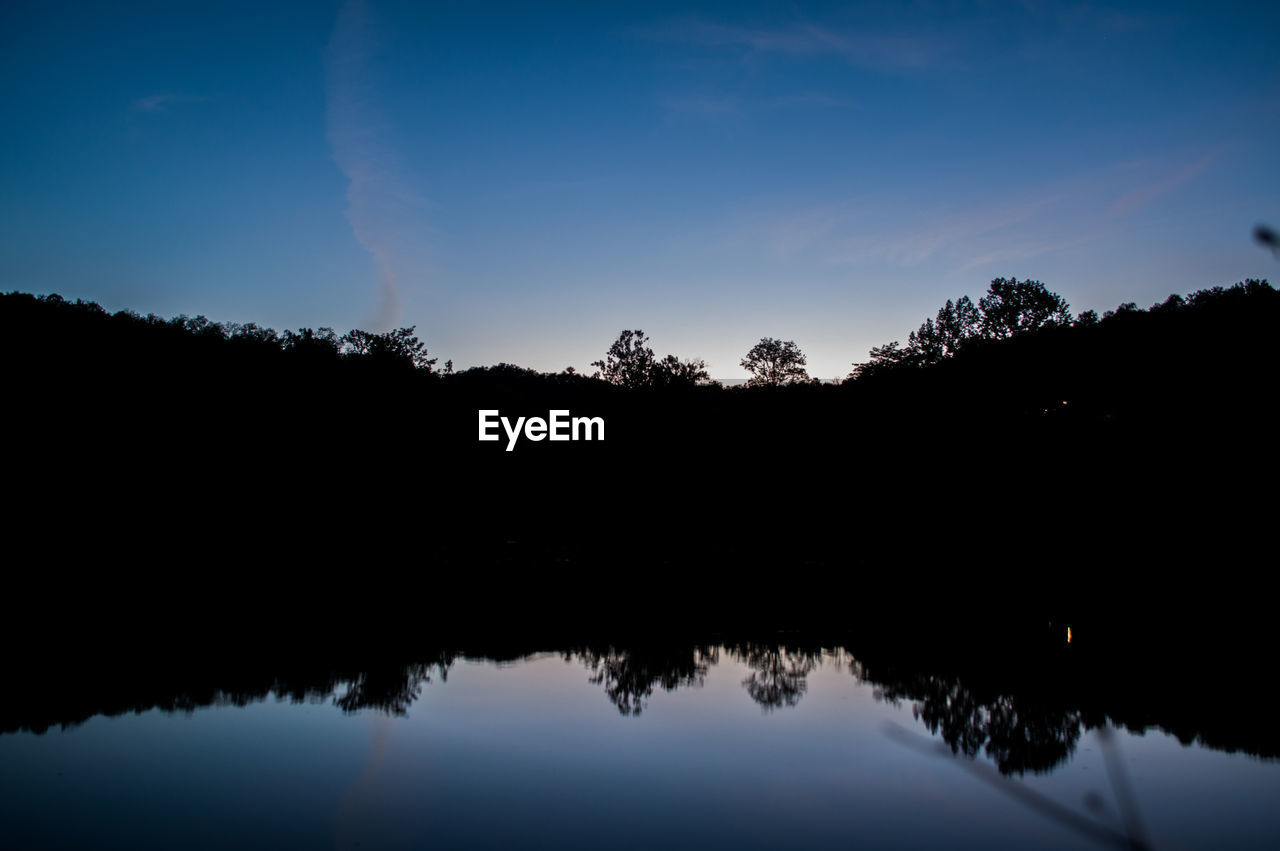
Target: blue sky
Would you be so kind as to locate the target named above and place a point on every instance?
(523, 181)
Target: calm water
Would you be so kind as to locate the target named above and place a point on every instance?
(753, 747)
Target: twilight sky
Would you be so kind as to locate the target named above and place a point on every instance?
(522, 181)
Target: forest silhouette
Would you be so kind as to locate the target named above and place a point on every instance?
(1010, 455)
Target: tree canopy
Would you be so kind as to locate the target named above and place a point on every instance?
(1009, 309)
(398, 346)
(1012, 307)
(773, 363)
(630, 362)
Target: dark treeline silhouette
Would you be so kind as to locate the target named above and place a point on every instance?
(170, 472)
(1024, 703)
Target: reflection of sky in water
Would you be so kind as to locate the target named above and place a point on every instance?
(534, 754)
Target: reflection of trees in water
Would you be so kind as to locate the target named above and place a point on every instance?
(45, 698)
(1025, 718)
(1017, 733)
(778, 674)
(630, 675)
(390, 690)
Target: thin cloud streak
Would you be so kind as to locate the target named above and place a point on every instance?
(808, 100)
(161, 102)
(855, 231)
(876, 51)
(808, 228)
(1023, 251)
(1143, 195)
(878, 229)
(954, 229)
(385, 212)
(722, 106)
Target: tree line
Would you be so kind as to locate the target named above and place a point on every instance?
(397, 348)
(1011, 308)
(1146, 430)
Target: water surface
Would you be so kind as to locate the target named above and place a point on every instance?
(702, 746)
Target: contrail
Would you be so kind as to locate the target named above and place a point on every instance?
(384, 211)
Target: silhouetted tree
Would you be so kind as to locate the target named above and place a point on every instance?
(773, 363)
(201, 326)
(251, 332)
(1173, 302)
(629, 361)
(1012, 307)
(926, 343)
(935, 340)
(321, 343)
(1127, 307)
(398, 346)
(943, 336)
(673, 372)
(884, 358)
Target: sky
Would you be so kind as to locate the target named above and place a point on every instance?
(523, 181)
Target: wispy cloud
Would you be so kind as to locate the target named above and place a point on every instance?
(807, 100)
(162, 102)
(805, 229)
(910, 237)
(386, 212)
(879, 51)
(878, 231)
(1023, 223)
(1022, 250)
(723, 80)
(732, 106)
(1091, 16)
(1140, 196)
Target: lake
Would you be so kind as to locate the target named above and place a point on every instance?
(732, 744)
